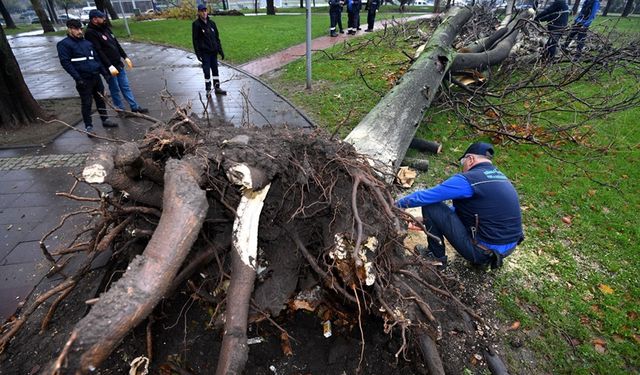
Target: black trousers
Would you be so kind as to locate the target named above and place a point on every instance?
(371, 18)
(92, 88)
(336, 20)
(353, 19)
(209, 68)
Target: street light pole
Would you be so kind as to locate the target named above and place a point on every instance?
(308, 44)
(124, 17)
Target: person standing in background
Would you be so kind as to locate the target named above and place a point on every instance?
(207, 46)
(111, 54)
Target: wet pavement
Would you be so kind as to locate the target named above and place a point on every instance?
(31, 176)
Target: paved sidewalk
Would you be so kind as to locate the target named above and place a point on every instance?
(30, 176)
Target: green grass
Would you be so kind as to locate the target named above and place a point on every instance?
(22, 28)
(571, 286)
(243, 38)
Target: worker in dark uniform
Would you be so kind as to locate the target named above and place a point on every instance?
(335, 16)
(581, 25)
(485, 223)
(557, 16)
(111, 55)
(207, 46)
(353, 16)
(371, 7)
(79, 59)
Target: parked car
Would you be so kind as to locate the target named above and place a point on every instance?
(64, 18)
(84, 14)
(35, 20)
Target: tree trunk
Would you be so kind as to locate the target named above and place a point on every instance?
(51, 8)
(7, 16)
(111, 10)
(271, 9)
(576, 5)
(628, 7)
(148, 277)
(436, 6)
(386, 132)
(493, 55)
(605, 11)
(17, 105)
(42, 15)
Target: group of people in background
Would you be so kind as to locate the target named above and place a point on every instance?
(95, 53)
(557, 17)
(353, 15)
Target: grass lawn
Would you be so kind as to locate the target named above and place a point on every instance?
(243, 38)
(574, 283)
(22, 28)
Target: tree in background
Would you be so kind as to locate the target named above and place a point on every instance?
(628, 7)
(106, 7)
(605, 11)
(271, 9)
(17, 105)
(47, 26)
(68, 4)
(7, 16)
(576, 5)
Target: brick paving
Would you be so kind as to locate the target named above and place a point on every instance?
(42, 161)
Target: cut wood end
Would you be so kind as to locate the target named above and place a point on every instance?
(94, 174)
(240, 174)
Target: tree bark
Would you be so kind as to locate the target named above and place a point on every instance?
(386, 132)
(7, 16)
(605, 11)
(436, 6)
(51, 8)
(495, 54)
(17, 105)
(47, 26)
(271, 9)
(628, 7)
(148, 277)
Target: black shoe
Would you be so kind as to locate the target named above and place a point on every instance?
(140, 110)
(351, 32)
(357, 28)
(333, 34)
(219, 91)
(368, 30)
(341, 31)
(90, 132)
(109, 124)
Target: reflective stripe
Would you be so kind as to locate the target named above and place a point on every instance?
(207, 80)
(215, 78)
(81, 59)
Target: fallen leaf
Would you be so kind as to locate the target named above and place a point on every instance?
(605, 289)
(618, 339)
(598, 341)
(566, 220)
(637, 338)
(632, 315)
(600, 349)
(286, 345)
(591, 192)
(514, 326)
(575, 342)
(584, 320)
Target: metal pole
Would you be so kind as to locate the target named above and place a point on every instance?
(124, 17)
(308, 44)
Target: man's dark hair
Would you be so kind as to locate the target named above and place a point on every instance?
(74, 24)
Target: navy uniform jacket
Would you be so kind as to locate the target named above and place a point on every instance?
(106, 45)
(205, 38)
(335, 6)
(79, 59)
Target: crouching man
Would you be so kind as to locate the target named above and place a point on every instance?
(484, 224)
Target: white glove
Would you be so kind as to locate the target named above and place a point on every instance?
(114, 72)
(129, 63)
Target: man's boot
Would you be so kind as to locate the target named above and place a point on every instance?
(218, 90)
(333, 34)
(207, 87)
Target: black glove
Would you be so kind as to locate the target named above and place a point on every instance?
(80, 84)
(221, 55)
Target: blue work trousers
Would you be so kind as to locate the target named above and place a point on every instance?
(443, 222)
(118, 84)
